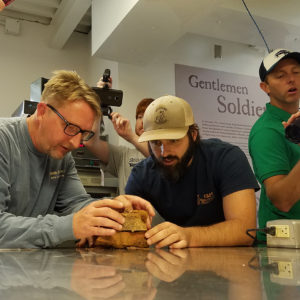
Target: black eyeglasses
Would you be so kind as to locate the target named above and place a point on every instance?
(72, 129)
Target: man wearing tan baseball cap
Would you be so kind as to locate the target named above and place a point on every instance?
(203, 189)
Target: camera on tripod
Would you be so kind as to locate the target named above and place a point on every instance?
(108, 97)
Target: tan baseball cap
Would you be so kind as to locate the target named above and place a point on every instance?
(167, 118)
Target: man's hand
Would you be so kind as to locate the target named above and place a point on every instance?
(167, 234)
(85, 241)
(134, 202)
(167, 265)
(101, 84)
(92, 281)
(122, 126)
(100, 280)
(291, 119)
(98, 218)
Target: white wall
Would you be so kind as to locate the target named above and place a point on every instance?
(27, 57)
(158, 77)
(106, 16)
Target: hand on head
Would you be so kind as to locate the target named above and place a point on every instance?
(122, 126)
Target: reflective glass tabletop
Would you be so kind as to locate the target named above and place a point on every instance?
(200, 273)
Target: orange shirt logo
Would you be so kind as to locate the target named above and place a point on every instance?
(205, 198)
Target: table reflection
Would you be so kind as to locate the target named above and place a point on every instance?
(135, 282)
(280, 268)
(36, 274)
(206, 273)
(200, 273)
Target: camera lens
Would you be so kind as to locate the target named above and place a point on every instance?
(292, 132)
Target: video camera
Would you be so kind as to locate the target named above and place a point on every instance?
(292, 132)
(108, 97)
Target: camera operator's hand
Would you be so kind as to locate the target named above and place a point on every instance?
(291, 119)
(167, 265)
(101, 84)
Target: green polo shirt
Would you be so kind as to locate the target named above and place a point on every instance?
(272, 154)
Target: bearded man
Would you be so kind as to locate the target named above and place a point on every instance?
(204, 189)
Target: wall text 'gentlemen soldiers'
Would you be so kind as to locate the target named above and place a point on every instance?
(236, 105)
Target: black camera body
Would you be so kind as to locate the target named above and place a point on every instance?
(108, 97)
(292, 132)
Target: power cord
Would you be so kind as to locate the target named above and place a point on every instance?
(267, 230)
(272, 267)
(256, 26)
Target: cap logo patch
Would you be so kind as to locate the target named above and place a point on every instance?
(160, 117)
(282, 52)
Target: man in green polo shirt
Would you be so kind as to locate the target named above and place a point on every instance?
(275, 159)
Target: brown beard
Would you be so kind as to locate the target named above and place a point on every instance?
(174, 173)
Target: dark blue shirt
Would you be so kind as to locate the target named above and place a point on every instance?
(217, 169)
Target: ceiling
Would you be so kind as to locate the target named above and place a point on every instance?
(155, 25)
(162, 22)
(66, 16)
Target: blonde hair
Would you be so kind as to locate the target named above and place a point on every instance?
(67, 86)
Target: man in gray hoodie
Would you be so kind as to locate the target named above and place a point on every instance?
(42, 201)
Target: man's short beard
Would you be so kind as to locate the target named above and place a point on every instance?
(174, 173)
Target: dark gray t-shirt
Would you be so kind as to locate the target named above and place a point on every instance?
(38, 194)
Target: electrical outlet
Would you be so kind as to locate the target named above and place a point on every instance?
(285, 270)
(282, 231)
(287, 233)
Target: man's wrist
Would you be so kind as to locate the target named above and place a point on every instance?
(191, 240)
(133, 139)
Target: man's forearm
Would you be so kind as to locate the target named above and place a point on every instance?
(284, 190)
(142, 147)
(41, 232)
(100, 149)
(227, 233)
